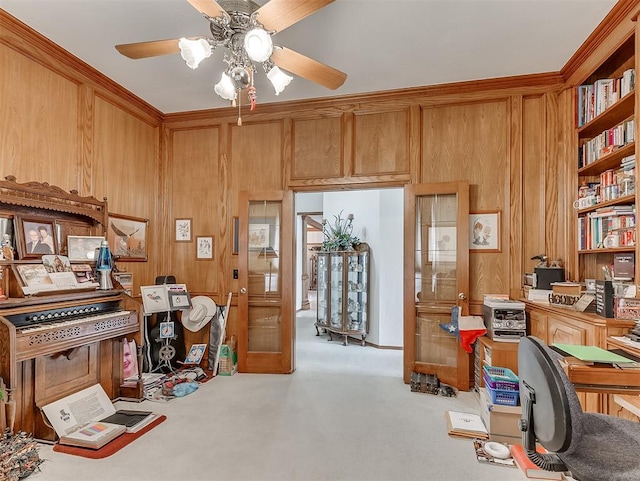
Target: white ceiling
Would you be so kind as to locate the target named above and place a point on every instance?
(380, 44)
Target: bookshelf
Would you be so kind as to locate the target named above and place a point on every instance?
(606, 194)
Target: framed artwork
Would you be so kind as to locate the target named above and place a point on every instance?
(167, 330)
(36, 237)
(183, 230)
(204, 248)
(179, 300)
(127, 237)
(236, 236)
(83, 248)
(7, 238)
(65, 228)
(154, 299)
(484, 231)
(258, 236)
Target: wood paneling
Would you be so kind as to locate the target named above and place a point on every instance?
(124, 169)
(317, 148)
(194, 182)
(38, 122)
(381, 143)
(471, 142)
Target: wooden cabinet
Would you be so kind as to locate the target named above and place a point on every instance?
(605, 195)
(343, 293)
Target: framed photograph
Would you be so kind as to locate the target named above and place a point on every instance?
(83, 248)
(7, 238)
(127, 238)
(183, 230)
(236, 236)
(484, 231)
(65, 228)
(204, 248)
(179, 300)
(36, 237)
(258, 236)
(154, 299)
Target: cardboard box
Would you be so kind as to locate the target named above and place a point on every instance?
(228, 363)
(500, 421)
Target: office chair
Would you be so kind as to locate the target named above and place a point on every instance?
(593, 447)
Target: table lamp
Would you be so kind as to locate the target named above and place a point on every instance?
(104, 266)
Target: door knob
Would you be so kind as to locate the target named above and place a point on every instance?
(243, 290)
(462, 296)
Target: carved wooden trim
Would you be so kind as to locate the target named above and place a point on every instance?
(41, 195)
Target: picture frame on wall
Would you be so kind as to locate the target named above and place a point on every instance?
(183, 230)
(36, 237)
(83, 248)
(484, 231)
(204, 248)
(258, 236)
(128, 238)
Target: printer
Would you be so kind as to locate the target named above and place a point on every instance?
(504, 319)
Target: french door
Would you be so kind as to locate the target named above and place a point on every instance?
(266, 314)
(436, 278)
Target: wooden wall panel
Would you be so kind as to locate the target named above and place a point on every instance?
(317, 148)
(471, 142)
(125, 170)
(194, 183)
(533, 180)
(256, 159)
(38, 122)
(381, 143)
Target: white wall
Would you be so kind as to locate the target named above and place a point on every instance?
(378, 221)
(304, 202)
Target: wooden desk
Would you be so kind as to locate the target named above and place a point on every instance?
(601, 378)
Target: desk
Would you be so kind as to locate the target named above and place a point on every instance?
(600, 378)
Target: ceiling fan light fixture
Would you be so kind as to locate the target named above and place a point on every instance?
(278, 79)
(258, 44)
(224, 88)
(194, 51)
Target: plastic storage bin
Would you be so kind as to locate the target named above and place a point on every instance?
(504, 398)
(500, 378)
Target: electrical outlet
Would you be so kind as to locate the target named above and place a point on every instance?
(235, 273)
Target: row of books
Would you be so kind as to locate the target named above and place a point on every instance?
(613, 184)
(593, 99)
(606, 142)
(612, 226)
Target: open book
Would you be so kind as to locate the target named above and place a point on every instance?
(89, 419)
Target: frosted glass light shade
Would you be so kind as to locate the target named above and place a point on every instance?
(194, 51)
(225, 88)
(279, 79)
(258, 45)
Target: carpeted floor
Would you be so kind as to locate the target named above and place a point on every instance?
(345, 414)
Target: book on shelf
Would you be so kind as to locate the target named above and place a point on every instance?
(86, 418)
(527, 466)
(466, 425)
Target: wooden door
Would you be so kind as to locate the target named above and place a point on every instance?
(436, 278)
(265, 303)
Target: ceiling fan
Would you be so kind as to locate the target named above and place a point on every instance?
(245, 29)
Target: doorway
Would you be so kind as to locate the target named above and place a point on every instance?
(378, 221)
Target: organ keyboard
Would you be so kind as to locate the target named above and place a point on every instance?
(53, 346)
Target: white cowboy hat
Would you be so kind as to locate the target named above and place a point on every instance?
(202, 312)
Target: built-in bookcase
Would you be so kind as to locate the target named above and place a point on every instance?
(606, 194)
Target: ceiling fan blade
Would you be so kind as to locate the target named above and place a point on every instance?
(279, 14)
(208, 7)
(308, 68)
(149, 49)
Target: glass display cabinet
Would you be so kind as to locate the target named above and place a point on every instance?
(343, 286)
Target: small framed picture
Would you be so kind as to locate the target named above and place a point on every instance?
(36, 237)
(83, 248)
(484, 231)
(154, 299)
(196, 352)
(127, 238)
(204, 248)
(179, 300)
(183, 230)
